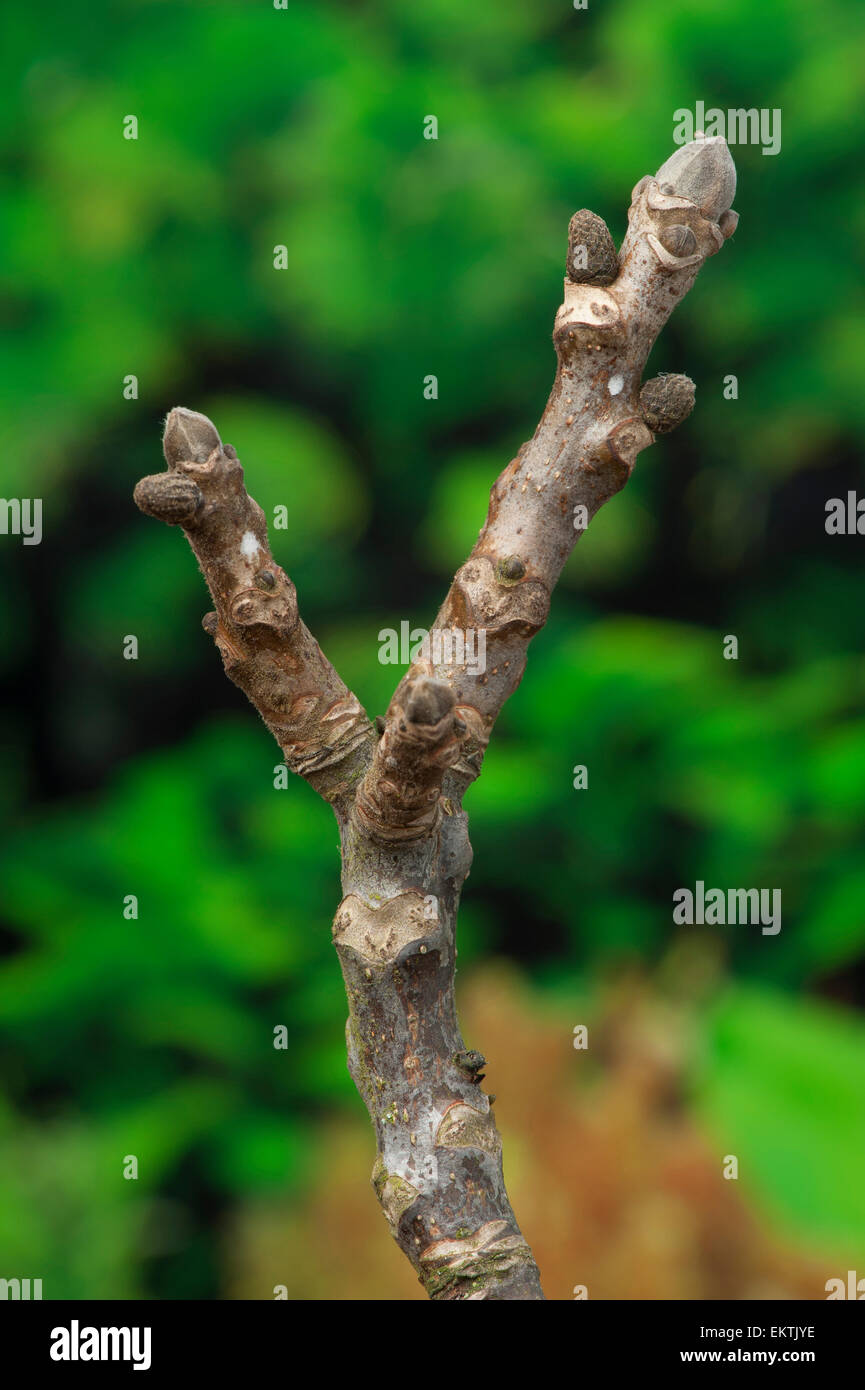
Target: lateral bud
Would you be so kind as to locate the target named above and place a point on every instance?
(170, 497)
(678, 239)
(592, 257)
(666, 401)
(510, 570)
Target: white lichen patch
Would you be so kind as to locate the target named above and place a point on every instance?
(616, 384)
(249, 546)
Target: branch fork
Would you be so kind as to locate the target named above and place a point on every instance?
(396, 787)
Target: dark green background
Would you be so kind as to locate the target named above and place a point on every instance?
(260, 127)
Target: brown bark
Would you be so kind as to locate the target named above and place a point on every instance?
(397, 793)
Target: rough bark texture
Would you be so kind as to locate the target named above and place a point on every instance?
(397, 792)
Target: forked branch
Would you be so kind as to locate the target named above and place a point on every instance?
(397, 791)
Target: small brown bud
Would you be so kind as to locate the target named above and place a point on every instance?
(728, 222)
(592, 258)
(189, 437)
(666, 401)
(678, 239)
(266, 580)
(170, 497)
(210, 623)
(510, 569)
(471, 1060)
(428, 701)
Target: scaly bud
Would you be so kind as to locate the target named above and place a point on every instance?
(428, 701)
(170, 497)
(666, 401)
(592, 258)
(702, 171)
(678, 240)
(189, 437)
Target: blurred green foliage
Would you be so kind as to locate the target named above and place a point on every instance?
(407, 257)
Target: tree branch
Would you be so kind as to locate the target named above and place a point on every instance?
(595, 424)
(398, 800)
(266, 649)
(405, 846)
